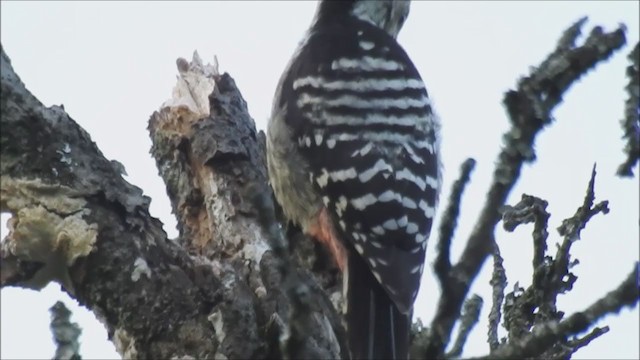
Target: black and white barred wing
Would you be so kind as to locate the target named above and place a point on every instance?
(363, 120)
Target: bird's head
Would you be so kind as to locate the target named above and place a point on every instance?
(388, 15)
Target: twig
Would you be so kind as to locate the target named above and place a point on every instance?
(551, 277)
(545, 336)
(468, 320)
(578, 343)
(529, 109)
(498, 283)
(65, 333)
(449, 221)
(631, 122)
(519, 305)
(564, 351)
(530, 209)
(571, 229)
(568, 39)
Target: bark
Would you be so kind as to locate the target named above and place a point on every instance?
(214, 292)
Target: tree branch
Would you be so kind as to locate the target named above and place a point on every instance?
(468, 320)
(212, 293)
(535, 307)
(551, 276)
(300, 322)
(65, 333)
(545, 336)
(449, 221)
(530, 209)
(631, 122)
(78, 221)
(498, 283)
(561, 279)
(529, 109)
(212, 160)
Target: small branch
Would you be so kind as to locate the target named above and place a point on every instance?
(568, 39)
(65, 333)
(519, 306)
(578, 343)
(551, 277)
(449, 221)
(631, 122)
(529, 109)
(565, 350)
(571, 229)
(498, 283)
(530, 209)
(468, 320)
(545, 336)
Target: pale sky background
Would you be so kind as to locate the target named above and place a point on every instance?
(113, 63)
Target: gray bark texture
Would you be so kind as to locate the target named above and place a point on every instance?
(238, 282)
(217, 291)
(65, 333)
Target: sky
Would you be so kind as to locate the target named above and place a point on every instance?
(113, 63)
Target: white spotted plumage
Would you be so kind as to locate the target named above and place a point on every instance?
(386, 125)
(366, 63)
(365, 143)
(366, 45)
(364, 85)
(358, 102)
(380, 166)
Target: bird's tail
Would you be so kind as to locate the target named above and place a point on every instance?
(376, 328)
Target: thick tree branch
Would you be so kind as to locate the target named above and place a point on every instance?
(529, 109)
(212, 160)
(213, 293)
(299, 319)
(91, 231)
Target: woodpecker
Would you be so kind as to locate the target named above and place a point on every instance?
(353, 159)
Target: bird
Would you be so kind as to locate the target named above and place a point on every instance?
(353, 158)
